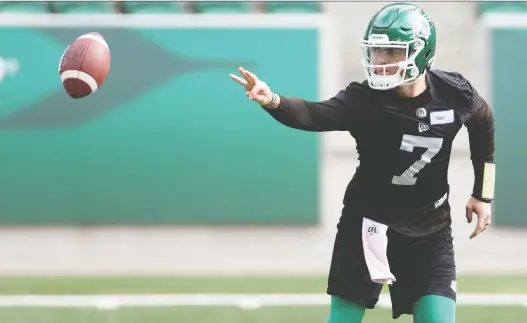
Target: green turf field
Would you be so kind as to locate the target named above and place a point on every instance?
(13, 286)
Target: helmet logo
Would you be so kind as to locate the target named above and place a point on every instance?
(414, 71)
(422, 26)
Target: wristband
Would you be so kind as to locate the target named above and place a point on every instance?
(485, 182)
(273, 100)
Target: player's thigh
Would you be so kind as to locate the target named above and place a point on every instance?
(349, 277)
(436, 265)
(422, 266)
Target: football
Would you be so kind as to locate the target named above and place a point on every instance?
(84, 65)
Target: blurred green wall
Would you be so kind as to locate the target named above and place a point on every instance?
(509, 69)
(168, 139)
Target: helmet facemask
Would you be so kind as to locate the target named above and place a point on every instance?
(382, 76)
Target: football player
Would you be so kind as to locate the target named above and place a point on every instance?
(395, 226)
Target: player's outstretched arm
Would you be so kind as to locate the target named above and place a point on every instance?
(329, 115)
(480, 126)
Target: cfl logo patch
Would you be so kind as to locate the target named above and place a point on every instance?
(372, 230)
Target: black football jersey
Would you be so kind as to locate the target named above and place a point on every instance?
(404, 144)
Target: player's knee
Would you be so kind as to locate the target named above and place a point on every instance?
(343, 311)
(435, 309)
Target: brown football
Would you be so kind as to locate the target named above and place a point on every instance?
(84, 65)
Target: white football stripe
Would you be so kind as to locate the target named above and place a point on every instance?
(74, 74)
(98, 39)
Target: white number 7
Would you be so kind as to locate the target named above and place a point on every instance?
(408, 143)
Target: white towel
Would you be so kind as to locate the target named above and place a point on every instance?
(375, 242)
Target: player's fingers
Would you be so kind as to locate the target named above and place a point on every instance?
(251, 77)
(259, 86)
(238, 79)
(485, 227)
(487, 222)
(468, 213)
(251, 82)
(480, 227)
(244, 73)
(258, 94)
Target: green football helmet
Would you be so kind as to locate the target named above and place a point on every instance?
(403, 30)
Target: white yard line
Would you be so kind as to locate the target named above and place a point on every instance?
(245, 301)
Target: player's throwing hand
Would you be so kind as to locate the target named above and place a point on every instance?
(256, 90)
